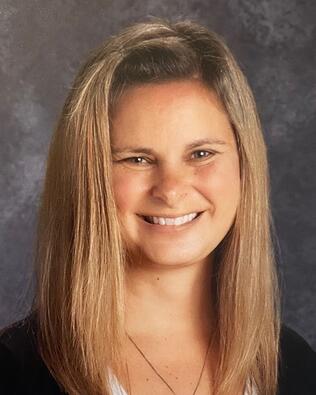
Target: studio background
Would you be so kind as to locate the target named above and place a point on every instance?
(42, 45)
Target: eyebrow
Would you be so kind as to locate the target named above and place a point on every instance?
(149, 151)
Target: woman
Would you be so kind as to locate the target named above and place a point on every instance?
(155, 267)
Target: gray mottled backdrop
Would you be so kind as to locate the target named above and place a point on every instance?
(42, 44)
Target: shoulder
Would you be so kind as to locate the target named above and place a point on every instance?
(22, 371)
(297, 364)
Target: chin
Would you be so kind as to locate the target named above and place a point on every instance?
(175, 259)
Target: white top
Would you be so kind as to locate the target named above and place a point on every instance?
(117, 388)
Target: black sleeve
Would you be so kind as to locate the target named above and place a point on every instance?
(9, 373)
(22, 371)
(297, 369)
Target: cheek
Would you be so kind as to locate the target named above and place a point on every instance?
(220, 181)
(127, 190)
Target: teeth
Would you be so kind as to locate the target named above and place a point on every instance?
(172, 221)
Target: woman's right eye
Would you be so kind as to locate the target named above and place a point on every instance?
(135, 160)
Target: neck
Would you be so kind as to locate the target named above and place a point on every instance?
(169, 300)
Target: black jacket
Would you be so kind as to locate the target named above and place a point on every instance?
(22, 371)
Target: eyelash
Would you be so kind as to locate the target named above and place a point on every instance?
(210, 153)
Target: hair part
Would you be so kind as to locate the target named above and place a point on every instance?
(81, 258)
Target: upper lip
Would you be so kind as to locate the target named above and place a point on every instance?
(170, 216)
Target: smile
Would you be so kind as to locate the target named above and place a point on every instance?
(175, 221)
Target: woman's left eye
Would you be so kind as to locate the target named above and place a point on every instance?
(205, 154)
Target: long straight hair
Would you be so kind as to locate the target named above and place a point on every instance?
(80, 255)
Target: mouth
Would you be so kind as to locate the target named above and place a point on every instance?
(171, 221)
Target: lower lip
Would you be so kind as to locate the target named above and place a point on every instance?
(170, 228)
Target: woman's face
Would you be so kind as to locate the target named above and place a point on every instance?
(174, 154)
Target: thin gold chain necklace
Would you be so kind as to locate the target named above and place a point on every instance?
(159, 375)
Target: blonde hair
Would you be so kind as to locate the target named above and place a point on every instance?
(81, 259)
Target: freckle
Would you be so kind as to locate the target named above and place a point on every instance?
(157, 278)
(176, 378)
(147, 379)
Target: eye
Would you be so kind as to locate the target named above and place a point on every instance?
(205, 154)
(137, 160)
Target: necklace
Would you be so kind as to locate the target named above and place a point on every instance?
(159, 375)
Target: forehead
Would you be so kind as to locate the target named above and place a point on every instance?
(177, 109)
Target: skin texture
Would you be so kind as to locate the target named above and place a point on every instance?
(168, 289)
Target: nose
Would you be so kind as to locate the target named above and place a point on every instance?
(170, 186)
